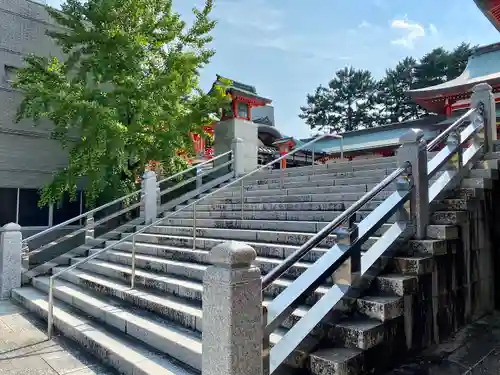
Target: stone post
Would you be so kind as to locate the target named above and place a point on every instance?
(149, 196)
(10, 259)
(232, 312)
(238, 157)
(228, 130)
(483, 93)
(413, 150)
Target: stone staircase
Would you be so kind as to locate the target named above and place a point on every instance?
(156, 327)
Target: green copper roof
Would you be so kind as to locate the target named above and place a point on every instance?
(483, 66)
(241, 88)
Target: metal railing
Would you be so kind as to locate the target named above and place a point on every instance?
(412, 177)
(132, 236)
(90, 223)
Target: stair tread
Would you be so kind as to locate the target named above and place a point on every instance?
(170, 334)
(163, 299)
(127, 349)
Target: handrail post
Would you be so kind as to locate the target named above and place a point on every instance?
(232, 312)
(132, 280)
(89, 228)
(351, 269)
(413, 150)
(194, 226)
(483, 93)
(10, 259)
(149, 197)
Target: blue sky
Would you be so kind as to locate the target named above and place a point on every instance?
(286, 48)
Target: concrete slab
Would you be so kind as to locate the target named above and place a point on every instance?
(26, 350)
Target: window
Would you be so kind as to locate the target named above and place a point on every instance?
(8, 197)
(242, 110)
(30, 215)
(10, 74)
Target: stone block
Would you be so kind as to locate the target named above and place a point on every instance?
(10, 259)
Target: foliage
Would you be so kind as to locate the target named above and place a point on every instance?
(128, 88)
(346, 104)
(336, 107)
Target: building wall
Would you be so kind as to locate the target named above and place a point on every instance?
(28, 156)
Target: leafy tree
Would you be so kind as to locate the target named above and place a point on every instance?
(129, 86)
(348, 103)
(394, 104)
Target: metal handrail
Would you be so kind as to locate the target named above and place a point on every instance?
(50, 314)
(118, 200)
(441, 137)
(283, 267)
(194, 167)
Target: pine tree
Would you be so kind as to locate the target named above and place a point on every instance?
(347, 104)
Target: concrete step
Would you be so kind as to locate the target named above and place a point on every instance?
(160, 334)
(433, 231)
(299, 206)
(178, 310)
(338, 361)
(360, 333)
(298, 190)
(283, 198)
(488, 173)
(348, 166)
(264, 237)
(326, 181)
(126, 355)
(318, 175)
(269, 215)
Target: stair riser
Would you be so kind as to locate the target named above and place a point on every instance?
(325, 181)
(124, 366)
(113, 319)
(319, 175)
(153, 283)
(207, 244)
(190, 273)
(312, 206)
(354, 166)
(186, 319)
(298, 191)
(347, 198)
(271, 215)
(339, 183)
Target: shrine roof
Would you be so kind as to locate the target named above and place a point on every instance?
(374, 138)
(242, 89)
(483, 66)
(491, 9)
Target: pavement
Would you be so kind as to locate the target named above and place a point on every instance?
(474, 350)
(26, 350)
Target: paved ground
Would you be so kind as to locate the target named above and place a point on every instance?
(25, 349)
(475, 350)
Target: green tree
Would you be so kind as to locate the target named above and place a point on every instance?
(346, 104)
(394, 104)
(128, 86)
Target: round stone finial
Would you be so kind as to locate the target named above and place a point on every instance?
(483, 86)
(411, 136)
(232, 254)
(11, 227)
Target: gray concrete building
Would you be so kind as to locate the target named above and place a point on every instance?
(28, 155)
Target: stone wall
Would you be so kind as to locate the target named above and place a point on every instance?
(28, 156)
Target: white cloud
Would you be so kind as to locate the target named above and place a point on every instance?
(433, 29)
(364, 24)
(259, 17)
(411, 30)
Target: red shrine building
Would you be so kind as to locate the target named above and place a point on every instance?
(247, 105)
(452, 98)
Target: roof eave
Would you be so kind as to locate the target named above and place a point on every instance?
(430, 92)
(481, 4)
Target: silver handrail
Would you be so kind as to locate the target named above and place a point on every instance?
(441, 137)
(118, 200)
(283, 267)
(50, 315)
